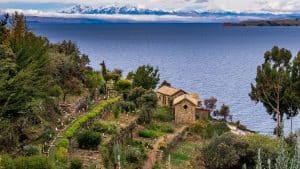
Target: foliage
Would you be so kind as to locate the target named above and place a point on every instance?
(208, 129)
(23, 74)
(165, 83)
(123, 85)
(225, 152)
(30, 150)
(163, 114)
(104, 127)
(162, 127)
(88, 139)
(76, 164)
(148, 133)
(210, 103)
(148, 103)
(33, 162)
(6, 162)
(146, 76)
(87, 116)
(274, 86)
(134, 95)
(224, 111)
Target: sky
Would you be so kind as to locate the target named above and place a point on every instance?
(271, 6)
(53, 8)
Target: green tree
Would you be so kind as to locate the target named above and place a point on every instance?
(24, 77)
(146, 76)
(148, 103)
(273, 85)
(165, 83)
(224, 111)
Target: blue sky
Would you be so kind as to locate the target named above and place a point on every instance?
(47, 6)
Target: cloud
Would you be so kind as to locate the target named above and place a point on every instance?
(260, 6)
(134, 18)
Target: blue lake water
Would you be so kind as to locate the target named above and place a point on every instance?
(206, 58)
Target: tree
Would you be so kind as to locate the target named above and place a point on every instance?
(69, 67)
(104, 71)
(24, 78)
(148, 103)
(210, 103)
(295, 95)
(165, 83)
(224, 111)
(134, 95)
(146, 76)
(273, 85)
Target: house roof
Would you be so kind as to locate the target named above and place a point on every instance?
(186, 97)
(168, 90)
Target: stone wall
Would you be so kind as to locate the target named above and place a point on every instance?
(185, 112)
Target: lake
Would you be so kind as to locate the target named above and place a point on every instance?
(206, 58)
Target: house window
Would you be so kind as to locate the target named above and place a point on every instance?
(185, 107)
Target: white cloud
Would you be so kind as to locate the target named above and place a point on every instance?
(274, 6)
(135, 18)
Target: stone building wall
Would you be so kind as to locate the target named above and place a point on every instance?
(185, 112)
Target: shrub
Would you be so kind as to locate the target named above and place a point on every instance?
(63, 143)
(133, 155)
(90, 115)
(6, 162)
(105, 127)
(163, 114)
(165, 128)
(30, 150)
(33, 162)
(88, 139)
(76, 164)
(269, 148)
(208, 129)
(149, 133)
(225, 152)
(61, 154)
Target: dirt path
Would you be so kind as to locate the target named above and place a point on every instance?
(237, 131)
(155, 152)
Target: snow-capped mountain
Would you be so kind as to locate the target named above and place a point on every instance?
(133, 10)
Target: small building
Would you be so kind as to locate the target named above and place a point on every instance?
(167, 94)
(185, 107)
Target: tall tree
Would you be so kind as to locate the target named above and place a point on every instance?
(210, 103)
(146, 76)
(148, 103)
(165, 83)
(273, 85)
(24, 77)
(224, 111)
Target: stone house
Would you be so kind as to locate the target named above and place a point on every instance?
(186, 107)
(166, 95)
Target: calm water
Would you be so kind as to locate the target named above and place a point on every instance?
(206, 58)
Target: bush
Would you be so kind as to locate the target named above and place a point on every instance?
(88, 139)
(61, 154)
(149, 133)
(208, 129)
(6, 162)
(133, 155)
(165, 128)
(105, 127)
(33, 162)
(269, 148)
(76, 164)
(30, 150)
(225, 152)
(163, 114)
(64, 143)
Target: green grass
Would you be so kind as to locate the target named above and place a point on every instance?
(179, 156)
(163, 114)
(148, 133)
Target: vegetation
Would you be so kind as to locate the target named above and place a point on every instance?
(163, 114)
(145, 76)
(76, 164)
(88, 139)
(275, 85)
(208, 129)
